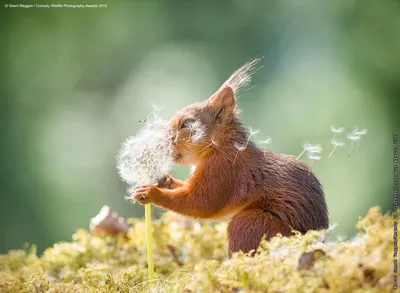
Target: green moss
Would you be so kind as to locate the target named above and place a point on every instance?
(199, 262)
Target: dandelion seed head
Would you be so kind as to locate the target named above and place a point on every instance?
(146, 157)
(337, 143)
(337, 130)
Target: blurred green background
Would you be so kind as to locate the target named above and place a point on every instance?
(75, 82)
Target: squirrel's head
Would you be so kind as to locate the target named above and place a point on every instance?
(196, 127)
(201, 127)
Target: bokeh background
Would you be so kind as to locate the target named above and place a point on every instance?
(75, 82)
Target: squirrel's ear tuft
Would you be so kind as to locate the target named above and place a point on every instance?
(223, 103)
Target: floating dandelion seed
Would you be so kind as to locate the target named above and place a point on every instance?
(213, 141)
(268, 140)
(242, 147)
(311, 149)
(156, 108)
(336, 131)
(360, 132)
(265, 142)
(146, 157)
(153, 114)
(253, 132)
(355, 137)
(335, 144)
(314, 149)
(332, 226)
(197, 131)
(305, 147)
(313, 157)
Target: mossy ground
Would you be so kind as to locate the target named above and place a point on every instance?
(200, 262)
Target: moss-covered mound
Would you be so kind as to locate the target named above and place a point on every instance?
(193, 258)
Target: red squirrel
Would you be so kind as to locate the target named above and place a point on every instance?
(262, 193)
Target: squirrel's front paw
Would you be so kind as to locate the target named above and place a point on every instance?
(167, 182)
(145, 194)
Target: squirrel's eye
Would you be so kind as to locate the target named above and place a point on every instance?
(187, 123)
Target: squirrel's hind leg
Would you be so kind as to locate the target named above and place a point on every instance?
(246, 229)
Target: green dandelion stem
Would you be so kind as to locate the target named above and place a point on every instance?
(149, 240)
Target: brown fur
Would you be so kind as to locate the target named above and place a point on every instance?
(261, 192)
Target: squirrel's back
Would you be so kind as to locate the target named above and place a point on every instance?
(270, 181)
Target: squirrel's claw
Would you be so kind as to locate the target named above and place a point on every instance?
(141, 198)
(145, 194)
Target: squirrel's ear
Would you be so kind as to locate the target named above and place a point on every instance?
(223, 102)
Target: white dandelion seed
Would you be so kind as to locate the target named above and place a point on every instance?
(242, 147)
(253, 132)
(335, 143)
(265, 142)
(197, 131)
(314, 157)
(363, 131)
(311, 149)
(156, 108)
(305, 147)
(314, 149)
(145, 158)
(213, 141)
(332, 226)
(355, 137)
(337, 130)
